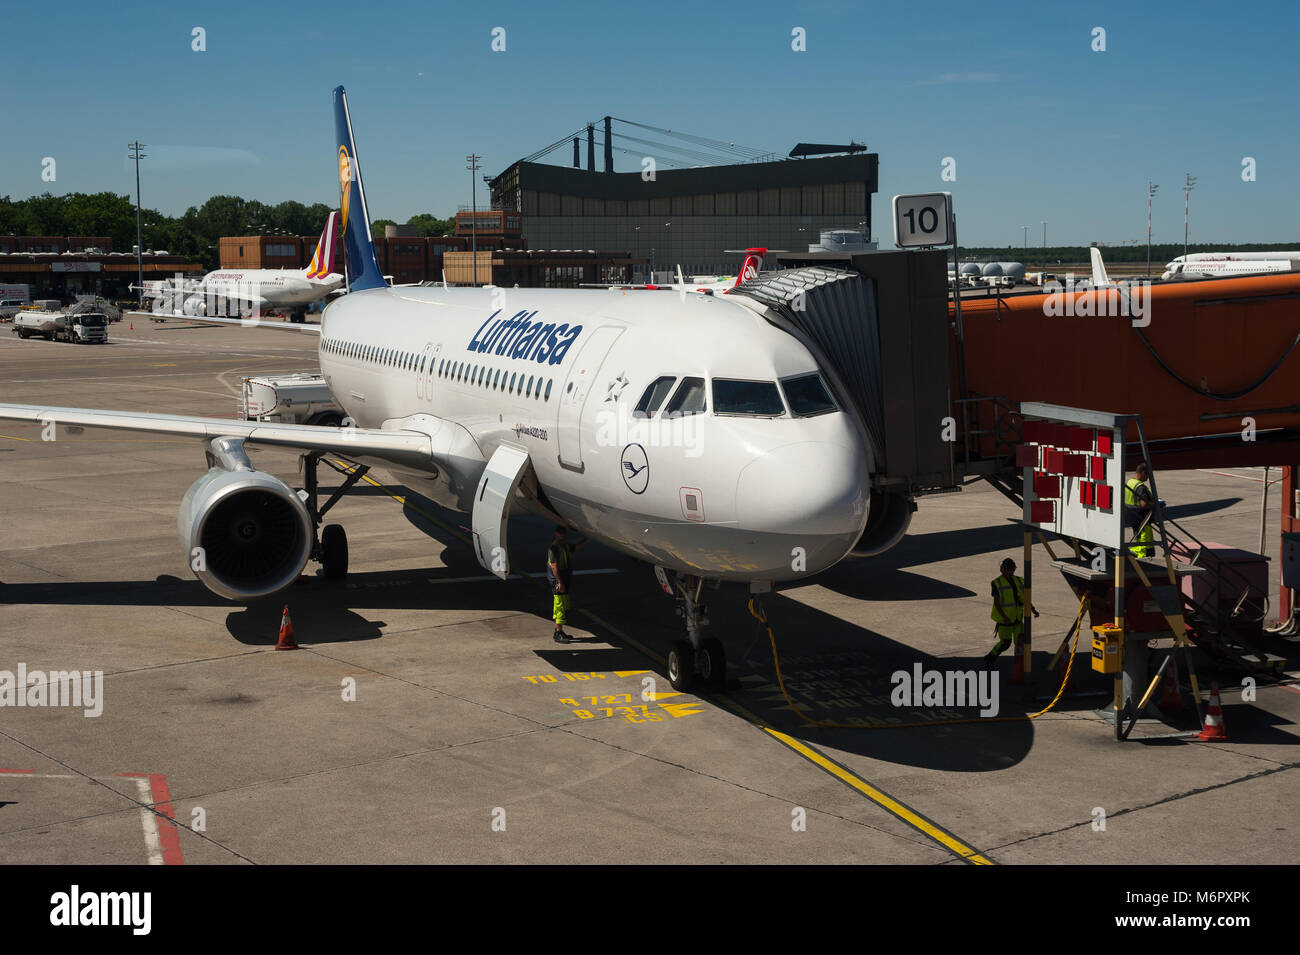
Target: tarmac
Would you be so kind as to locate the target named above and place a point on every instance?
(429, 716)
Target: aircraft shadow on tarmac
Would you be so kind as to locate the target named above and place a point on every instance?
(834, 670)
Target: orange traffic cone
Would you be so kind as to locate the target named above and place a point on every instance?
(1214, 730)
(132, 328)
(1171, 697)
(286, 632)
(1018, 667)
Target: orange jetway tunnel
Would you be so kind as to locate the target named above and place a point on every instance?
(1194, 359)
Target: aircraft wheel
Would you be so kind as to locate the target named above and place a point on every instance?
(334, 551)
(326, 419)
(713, 662)
(681, 665)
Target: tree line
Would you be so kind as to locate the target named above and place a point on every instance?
(194, 234)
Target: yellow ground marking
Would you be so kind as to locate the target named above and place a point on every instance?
(14, 437)
(882, 799)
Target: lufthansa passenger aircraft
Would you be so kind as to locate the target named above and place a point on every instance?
(686, 431)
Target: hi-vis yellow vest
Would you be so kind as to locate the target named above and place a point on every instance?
(1006, 602)
(1130, 492)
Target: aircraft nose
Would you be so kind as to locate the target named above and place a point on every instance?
(813, 487)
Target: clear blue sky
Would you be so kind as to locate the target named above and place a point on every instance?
(1041, 126)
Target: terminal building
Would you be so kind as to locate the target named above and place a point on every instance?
(689, 217)
(62, 267)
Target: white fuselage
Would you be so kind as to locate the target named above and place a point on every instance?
(735, 497)
(278, 288)
(1224, 268)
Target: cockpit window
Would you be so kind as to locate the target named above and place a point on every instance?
(808, 395)
(654, 396)
(689, 398)
(737, 396)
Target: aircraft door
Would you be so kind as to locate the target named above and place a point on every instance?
(576, 391)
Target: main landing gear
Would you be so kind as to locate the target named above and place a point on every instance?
(331, 547)
(697, 656)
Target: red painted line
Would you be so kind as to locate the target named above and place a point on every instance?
(169, 838)
(1291, 689)
(17, 770)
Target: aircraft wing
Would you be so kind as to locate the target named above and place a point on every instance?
(397, 446)
(242, 322)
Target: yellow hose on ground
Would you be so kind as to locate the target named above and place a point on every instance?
(758, 615)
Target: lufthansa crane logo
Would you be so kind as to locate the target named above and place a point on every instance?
(636, 468)
(345, 184)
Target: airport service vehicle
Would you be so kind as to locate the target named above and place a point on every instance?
(78, 328)
(291, 398)
(236, 293)
(698, 433)
(13, 298)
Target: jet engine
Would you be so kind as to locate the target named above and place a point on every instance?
(246, 533)
(887, 522)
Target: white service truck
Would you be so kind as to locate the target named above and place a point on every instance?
(79, 328)
(301, 398)
(13, 298)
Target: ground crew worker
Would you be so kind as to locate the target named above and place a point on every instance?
(1137, 506)
(1008, 610)
(559, 572)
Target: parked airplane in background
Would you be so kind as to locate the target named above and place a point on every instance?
(749, 269)
(1208, 266)
(236, 292)
(687, 431)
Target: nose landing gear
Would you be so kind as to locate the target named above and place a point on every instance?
(697, 656)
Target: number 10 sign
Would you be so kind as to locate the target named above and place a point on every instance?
(924, 220)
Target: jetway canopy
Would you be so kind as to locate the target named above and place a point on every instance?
(880, 328)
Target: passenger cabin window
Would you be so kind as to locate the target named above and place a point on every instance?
(689, 398)
(736, 396)
(808, 396)
(653, 397)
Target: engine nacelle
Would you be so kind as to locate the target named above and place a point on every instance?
(887, 522)
(254, 532)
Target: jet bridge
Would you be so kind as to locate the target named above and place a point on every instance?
(877, 324)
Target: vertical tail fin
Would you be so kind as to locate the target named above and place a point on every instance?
(752, 265)
(362, 268)
(1099, 276)
(322, 263)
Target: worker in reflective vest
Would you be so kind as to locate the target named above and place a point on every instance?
(1008, 610)
(1137, 505)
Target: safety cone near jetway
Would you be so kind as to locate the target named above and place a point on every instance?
(1018, 666)
(286, 632)
(1214, 730)
(1171, 697)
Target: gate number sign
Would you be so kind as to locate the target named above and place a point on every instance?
(924, 220)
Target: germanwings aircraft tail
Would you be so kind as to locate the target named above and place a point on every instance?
(322, 263)
(362, 267)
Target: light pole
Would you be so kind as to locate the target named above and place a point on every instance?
(1044, 222)
(135, 154)
(1026, 229)
(472, 165)
(1188, 186)
(1151, 193)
